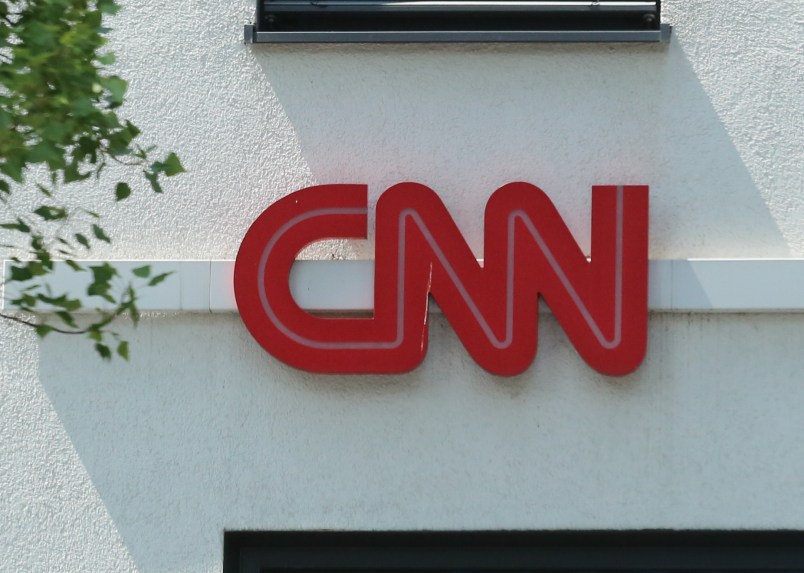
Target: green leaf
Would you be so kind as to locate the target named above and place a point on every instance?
(72, 174)
(103, 273)
(122, 350)
(133, 130)
(158, 279)
(172, 165)
(38, 268)
(122, 191)
(142, 272)
(107, 59)
(117, 90)
(73, 265)
(100, 234)
(82, 240)
(68, 304)
(26, 300)
(82, 107)
(131, 305)
(58, 131)
(47, 152)
(153, 179)
(43, 330)
(13, 168)
(21, 274)
(101, 290)
(108, 6)
(104, 351)
(20, 226)
(87, 148)
(49, 213)
(67, 318)
(101, 277)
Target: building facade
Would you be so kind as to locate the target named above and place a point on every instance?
(142, 466)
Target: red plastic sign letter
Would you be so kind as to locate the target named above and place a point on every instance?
(601, 302)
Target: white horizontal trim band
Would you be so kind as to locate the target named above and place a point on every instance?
(693, 285)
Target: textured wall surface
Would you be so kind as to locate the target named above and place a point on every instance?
(142, 466)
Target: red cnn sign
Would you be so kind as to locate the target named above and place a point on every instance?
(600, 302)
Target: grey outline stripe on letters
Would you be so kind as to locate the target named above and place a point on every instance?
(470, 303)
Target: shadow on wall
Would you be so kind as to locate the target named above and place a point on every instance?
(203, 431)
(563, 117)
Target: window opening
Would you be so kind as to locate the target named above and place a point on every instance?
(282, 21)
(501, 552)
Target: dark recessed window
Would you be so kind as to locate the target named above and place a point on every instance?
(458, 21)
(533, 552)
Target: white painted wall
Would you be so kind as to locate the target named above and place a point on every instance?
(141, 466)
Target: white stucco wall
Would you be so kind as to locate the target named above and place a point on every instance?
(141, 466)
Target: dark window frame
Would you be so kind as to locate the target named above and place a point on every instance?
(514, 551)
(373, 21)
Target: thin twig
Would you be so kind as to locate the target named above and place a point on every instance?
(19, 320)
